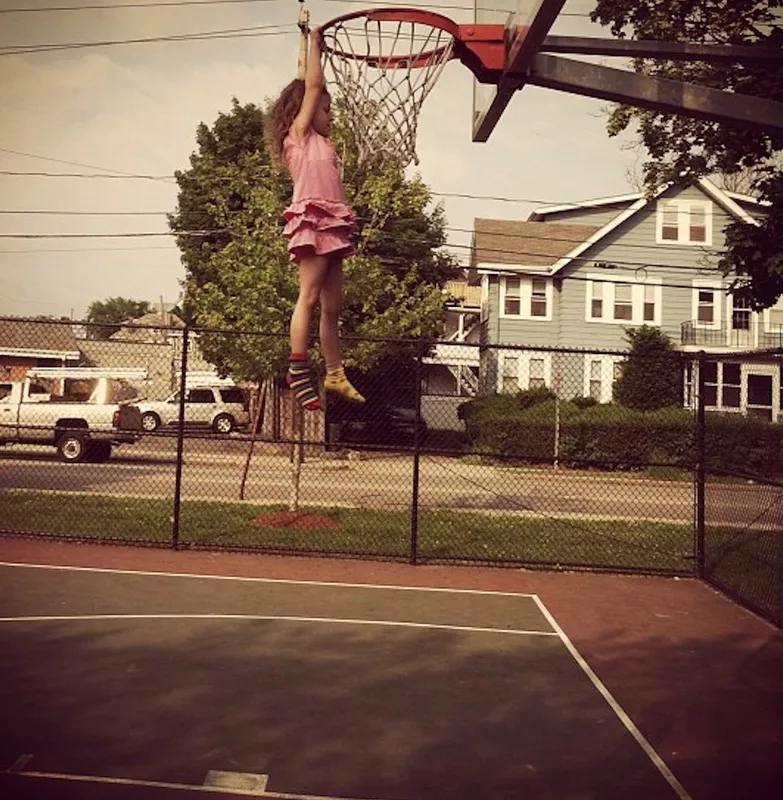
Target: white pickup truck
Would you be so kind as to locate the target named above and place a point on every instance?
(83, 426)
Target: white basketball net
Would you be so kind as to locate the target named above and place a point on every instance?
(384, 70)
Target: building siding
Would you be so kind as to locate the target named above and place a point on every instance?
(598, 216)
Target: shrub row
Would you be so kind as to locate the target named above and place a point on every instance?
(614, 436)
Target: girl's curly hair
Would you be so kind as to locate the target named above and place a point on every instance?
(281, 116)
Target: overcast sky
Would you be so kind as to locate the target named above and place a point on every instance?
(134, 108)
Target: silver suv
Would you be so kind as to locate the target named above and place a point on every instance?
(221, 408)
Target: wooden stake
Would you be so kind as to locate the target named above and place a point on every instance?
(258, 423)
(304, 28)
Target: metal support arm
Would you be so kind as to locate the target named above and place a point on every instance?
(664, 51)
(658, 94)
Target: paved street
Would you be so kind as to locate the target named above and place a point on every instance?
(213, 470)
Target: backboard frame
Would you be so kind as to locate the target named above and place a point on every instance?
(523, 42)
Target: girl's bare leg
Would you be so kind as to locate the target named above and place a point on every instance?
(312, 274)
(331, 306)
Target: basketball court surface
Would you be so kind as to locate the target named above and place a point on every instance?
(118, 684)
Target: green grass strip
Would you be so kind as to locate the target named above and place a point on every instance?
(607, 543)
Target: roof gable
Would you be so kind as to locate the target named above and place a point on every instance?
(22, 334)
(537, 245)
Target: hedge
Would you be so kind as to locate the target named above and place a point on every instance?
(613, 436)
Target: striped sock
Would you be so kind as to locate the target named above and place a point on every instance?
(298, 378)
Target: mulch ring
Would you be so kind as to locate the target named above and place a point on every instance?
(295, 519)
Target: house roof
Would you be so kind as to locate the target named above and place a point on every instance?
(20, 337)
(493, 256)
(598, 202)
(509, 242)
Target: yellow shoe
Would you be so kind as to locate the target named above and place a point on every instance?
(337, 382)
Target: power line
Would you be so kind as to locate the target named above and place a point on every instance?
(636, 266)
(87, 249)
(90, 213)
(120, 6)
(388, 234)
(521, 200)
(185, 3)
(30, 174)
(119, 172)
(131, 235)
(237, 33)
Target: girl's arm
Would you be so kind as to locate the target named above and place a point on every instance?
(314, 85)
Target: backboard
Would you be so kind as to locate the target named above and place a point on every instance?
(527, 22)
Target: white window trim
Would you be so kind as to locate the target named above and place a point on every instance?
(525, 298)
(683, 226)
(523, 370)
(717, 317)
(484, 315)
(753, 322)
(767, 316)
(607, 375)
(746, 370)
(637, 300)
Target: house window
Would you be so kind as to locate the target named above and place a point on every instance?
(623, 301)
(601, 374)
(740, 314)
(510, 374)
(780, 399)
(684, 222)
(597, 301)
(538, 304)
(760, 396)
(526, 297)
(710, 369)
(524, 369)
(537, 374)
(594, 389)
(774, 317)
(649, 303)
(698, 223)
(512, 303)
(669, 223)
(630, 301)
(731, 386)
(722, 385)
(706, 306)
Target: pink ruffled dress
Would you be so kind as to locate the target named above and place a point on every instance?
(318, 221)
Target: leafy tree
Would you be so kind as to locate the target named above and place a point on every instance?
(681, 148)
(107, 313)
(651, 376)
(238, 274)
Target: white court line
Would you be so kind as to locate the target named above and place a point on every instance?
(649, 750)
(275, 618)
(184, 787)
(264, 580)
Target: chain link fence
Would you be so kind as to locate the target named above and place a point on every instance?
(659, 463)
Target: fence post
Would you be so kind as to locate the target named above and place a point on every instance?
(183, 375)
(414, 547)
(701, 467)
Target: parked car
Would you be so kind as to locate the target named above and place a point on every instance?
(379, 424)
(83, 427)
(221, 408)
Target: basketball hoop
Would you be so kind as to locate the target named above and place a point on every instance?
(384, 63)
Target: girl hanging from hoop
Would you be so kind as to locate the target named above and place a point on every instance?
(319, 224)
